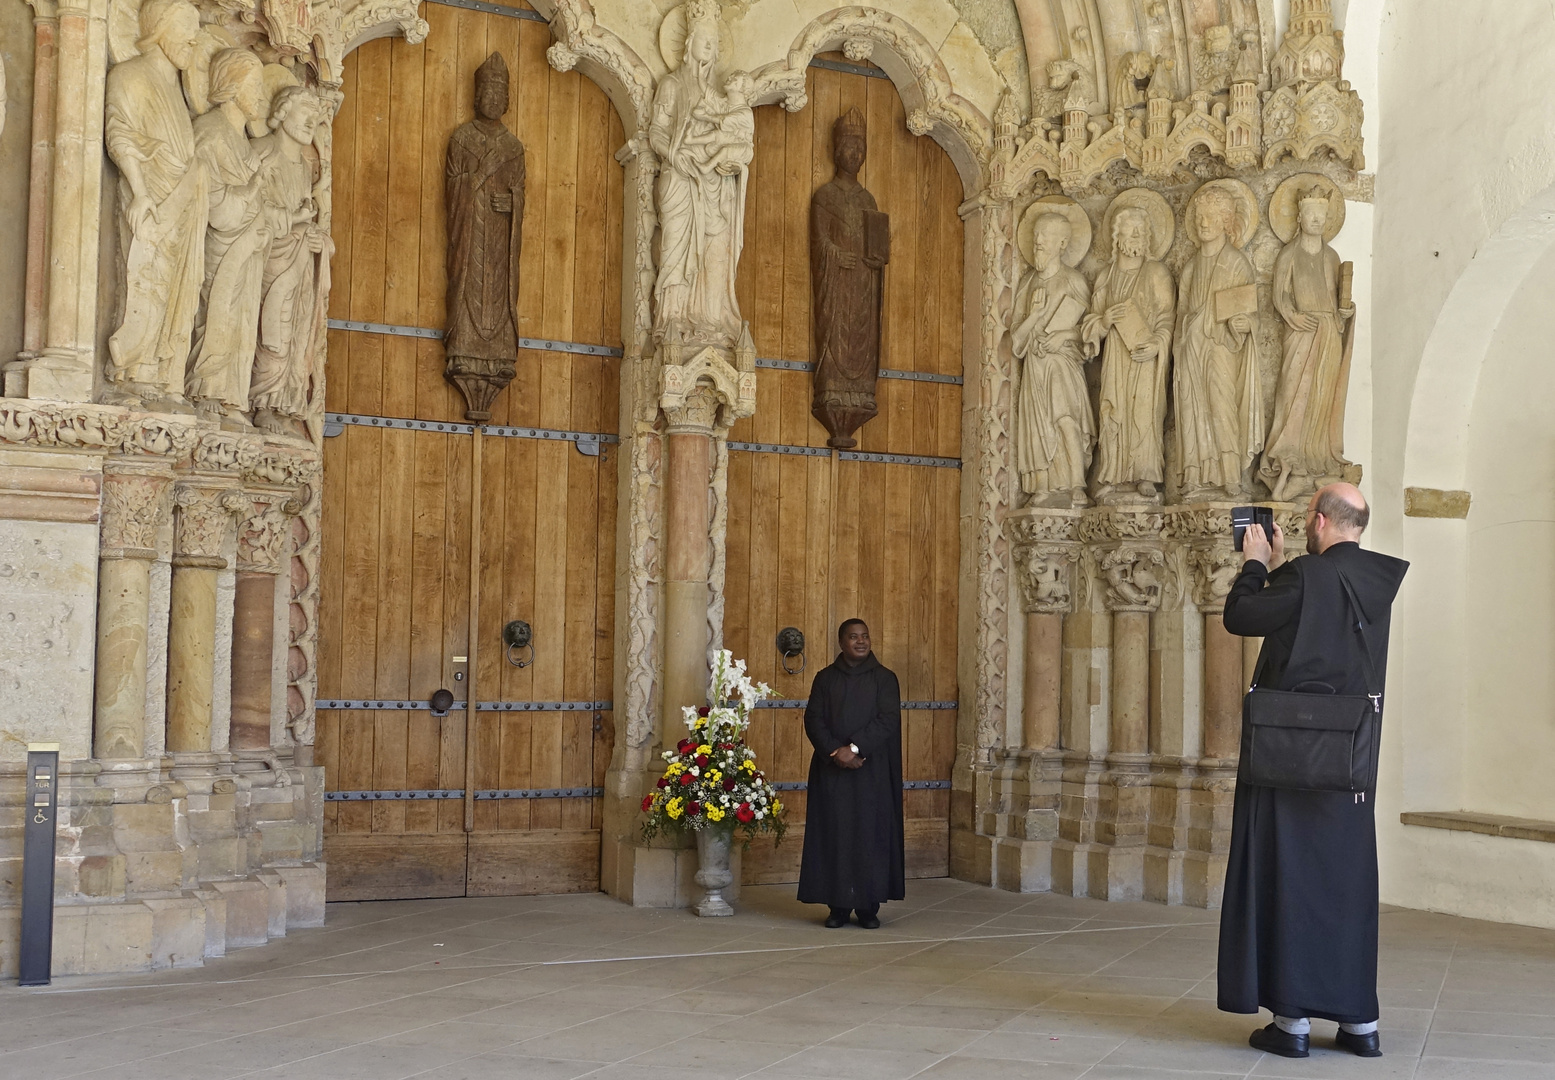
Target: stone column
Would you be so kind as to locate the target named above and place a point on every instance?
(1215, 564)
(689, 446)
(202, 526)
(1045, 551)
(45, 31)
(261, 556)
(1130, 567)
(65, 368)
(133, 509)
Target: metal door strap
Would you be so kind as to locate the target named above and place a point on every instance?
(847, 455)
(587, 442)
(577, 348)
(458, 793)
(460, 706)
(884, 373)
(494, 9)
(907, 785)
(799, 703)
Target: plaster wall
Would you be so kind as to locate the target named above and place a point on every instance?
(16, 43)
(1465, 153)
(1511, 563)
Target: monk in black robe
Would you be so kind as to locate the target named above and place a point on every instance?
(854, 853)
(485, 195)
(1298, 925)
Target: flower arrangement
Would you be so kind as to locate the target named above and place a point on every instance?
(711, 780)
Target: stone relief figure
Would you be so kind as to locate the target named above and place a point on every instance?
(698, 135)
(1130, 319)
(162, 209)
(849, 247)
(485, 194)
(289, 288)
(1311, 293)
(1054, 430)
(237, 241)
(1218, 399)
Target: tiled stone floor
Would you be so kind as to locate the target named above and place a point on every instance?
(960, 982)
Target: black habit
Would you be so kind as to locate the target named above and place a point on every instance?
(1298, 925)
(854, 854)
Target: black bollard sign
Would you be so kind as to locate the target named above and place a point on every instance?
(41, 807)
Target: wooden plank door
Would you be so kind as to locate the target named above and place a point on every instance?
(398, 513)
(814, 538)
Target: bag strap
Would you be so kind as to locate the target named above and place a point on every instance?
(1360, 630)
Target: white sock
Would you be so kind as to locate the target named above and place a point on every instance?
(1359, 1029)
(1299, 1026)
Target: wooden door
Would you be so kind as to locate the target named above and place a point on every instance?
(817, 537)
(395, 579)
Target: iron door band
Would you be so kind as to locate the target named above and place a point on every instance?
(483, 795)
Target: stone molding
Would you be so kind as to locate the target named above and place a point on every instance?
(580, 40)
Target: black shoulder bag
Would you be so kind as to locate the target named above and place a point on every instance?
(1314, 742)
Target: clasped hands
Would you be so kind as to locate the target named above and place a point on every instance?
(845, 757)
(1256, 547)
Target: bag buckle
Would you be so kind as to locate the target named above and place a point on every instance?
(1376, 702)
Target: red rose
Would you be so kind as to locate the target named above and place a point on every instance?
(703, 711)
(664, 781)
(726, 746)
(693, 808)
(701, 759)
(729, 784)
(647, 803)
(745, 813)
(685, 746)
(686, 779)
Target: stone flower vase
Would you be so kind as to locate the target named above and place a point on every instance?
(713, 873)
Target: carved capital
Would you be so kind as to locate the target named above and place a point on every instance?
(135, 505)
(263, 533)
(1215, 567)
(1045, 573)
(203, 521)
(222, 452)
(707, 390)
(1131, 576)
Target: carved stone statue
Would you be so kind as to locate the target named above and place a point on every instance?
(705, 141)
(237, 241)
(1306, 442)
(1132, 305)
(485, 194)
(849, 247)
(1054, 430)
(162, 208)
(1218, 398)
(279, 391)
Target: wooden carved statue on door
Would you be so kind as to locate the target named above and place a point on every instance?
(850, 243)
(485, 196)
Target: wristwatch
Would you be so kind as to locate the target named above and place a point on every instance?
(854, 748)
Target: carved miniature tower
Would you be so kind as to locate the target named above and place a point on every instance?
(1311, 107)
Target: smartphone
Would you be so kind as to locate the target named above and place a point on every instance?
(1243, 516)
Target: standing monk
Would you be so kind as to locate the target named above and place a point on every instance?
(854, 851)
(1298, 925)
(485, 195)
(845, 272)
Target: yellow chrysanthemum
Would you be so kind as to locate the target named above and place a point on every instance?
(714, 776)
(674, 768)
(748, 765)
(704, 749)
(675, 807)
(714, 814)
(777, 806)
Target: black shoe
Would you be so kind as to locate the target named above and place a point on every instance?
(870, 921)
(837, 918)
(1271, 1040)
(1369, 1045)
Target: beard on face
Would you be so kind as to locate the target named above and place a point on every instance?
(1131, 248)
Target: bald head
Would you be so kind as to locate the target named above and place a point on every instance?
(1336, 514)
